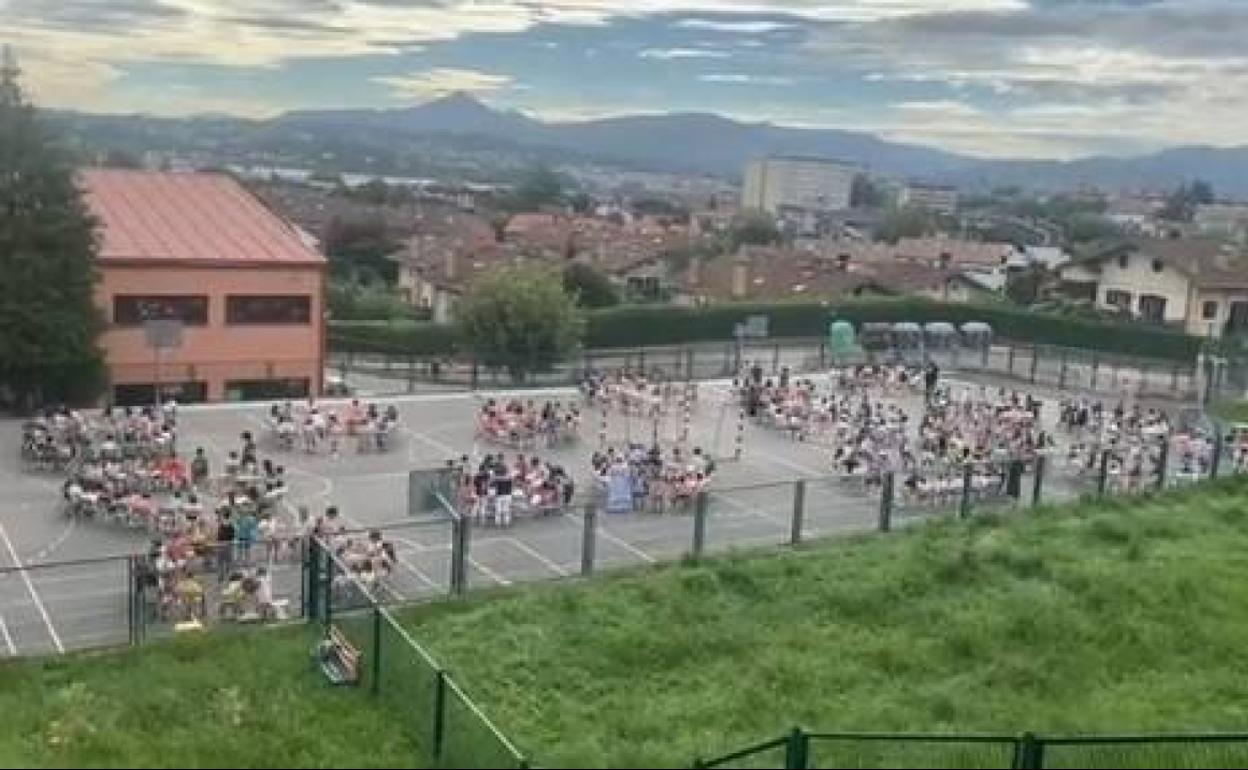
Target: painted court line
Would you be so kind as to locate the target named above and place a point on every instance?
(523, 548)
(752, 511)
(8, 638)
(43, 611)
(491, 574)
(627, 546)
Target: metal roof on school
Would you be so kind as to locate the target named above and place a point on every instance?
(191, 219)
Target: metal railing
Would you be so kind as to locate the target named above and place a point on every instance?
(800, 749)
(451, 729)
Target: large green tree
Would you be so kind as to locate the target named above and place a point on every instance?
(49, 324)
(520, 320)
(590, 286)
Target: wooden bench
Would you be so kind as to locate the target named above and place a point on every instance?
(339, 659)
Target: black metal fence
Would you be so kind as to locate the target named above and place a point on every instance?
(802, 749)
(1050, 366)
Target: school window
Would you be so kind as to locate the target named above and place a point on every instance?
(134, 309)
(268, 310)
(261, 390)
(1209, 310)
(1123, 261)
(1157, 266)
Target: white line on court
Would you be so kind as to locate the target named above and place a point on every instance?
(606, 533)
(535, 554)
(433, 442)
(740, 506)
(43, 611)
(58, 542)
(415, 570)
(8, 638)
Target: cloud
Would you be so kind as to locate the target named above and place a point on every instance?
(441, 81)
(741, 78)
(747, 27)
(682, 53)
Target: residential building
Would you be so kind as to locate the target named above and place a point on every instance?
(941, 199)
(1224, 218)
(247, 286)
(816, 184)
(1197, 285)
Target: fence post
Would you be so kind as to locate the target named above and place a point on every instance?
(799, 510)
(589, 538)
(964, 507)
(886, 501)
(132, 592)
(689, 363)
(775, 359)
(439, 713)
(641, 362)
(987, 354)
(1174, 379)
(375, 685)
(1096, 365)
(1218, 440)
(474, 376)
(1163, 462)
(1102, 475)
(797, 750)
(1035, 361)
(459, 555)
(699, 524)
(1009, 360)
(1061, 374)
(1039, 481)
(1028, 753)
(823, 355)
(411, 374)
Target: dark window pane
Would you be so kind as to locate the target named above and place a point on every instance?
(134, 309)
(268, 310)
(261, 390)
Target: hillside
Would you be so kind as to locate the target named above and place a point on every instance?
(1111, 617)
(458, 135)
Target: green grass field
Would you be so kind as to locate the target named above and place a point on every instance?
(1109, 617)
(228, 700)
(1112, 617)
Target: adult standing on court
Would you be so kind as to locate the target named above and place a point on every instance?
(931, 376)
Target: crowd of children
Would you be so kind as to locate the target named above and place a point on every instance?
(524, 425)
(314, 428)
(636, 478)
(498, 490)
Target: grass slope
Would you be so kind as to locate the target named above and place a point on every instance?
(1126, 615)
(224, 700)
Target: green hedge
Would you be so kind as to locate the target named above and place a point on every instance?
(637, 326)
(420, 338)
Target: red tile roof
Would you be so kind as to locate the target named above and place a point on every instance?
(192, 219)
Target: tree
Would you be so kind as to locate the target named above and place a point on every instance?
(520, 319)
(754, 229)
(49, 324)
(539, 187)
(1182, 202)
(1084, 228)
(359, 250)
(905, 222)
(1025, 287)
(865, 193)
(589, 286)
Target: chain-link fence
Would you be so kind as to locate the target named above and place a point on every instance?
(1056, 367)
(366, 647)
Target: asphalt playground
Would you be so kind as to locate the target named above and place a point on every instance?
(59, 591)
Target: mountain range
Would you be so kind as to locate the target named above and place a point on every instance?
(460, 127)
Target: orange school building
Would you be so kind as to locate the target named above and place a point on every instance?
(247, 286)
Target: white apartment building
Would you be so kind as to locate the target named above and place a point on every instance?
(941, 199)
(782, 182)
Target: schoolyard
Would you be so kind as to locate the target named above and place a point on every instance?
(47, 603)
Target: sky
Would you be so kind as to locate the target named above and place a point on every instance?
(992, 78)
